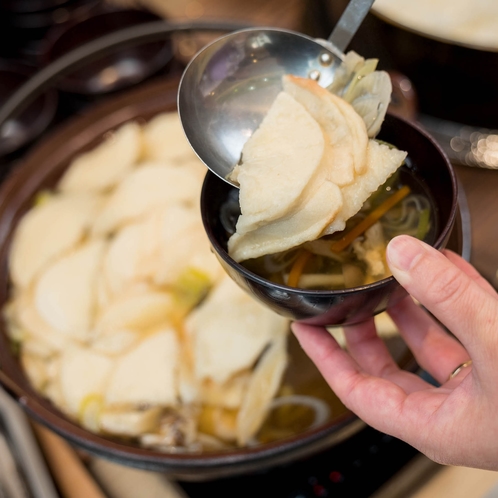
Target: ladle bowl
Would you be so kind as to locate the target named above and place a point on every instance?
(228, 87)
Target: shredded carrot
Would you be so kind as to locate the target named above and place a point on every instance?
(297, 268)
(371, 219)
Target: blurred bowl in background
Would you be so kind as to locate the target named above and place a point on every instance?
(37, 17)
(25, 6)
(122, 68)
(459, 22)
(24, 128)
(25, 23)
(454, 81)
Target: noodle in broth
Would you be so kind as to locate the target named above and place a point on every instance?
(362, 261)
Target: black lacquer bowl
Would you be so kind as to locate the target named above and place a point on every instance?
(425, 159)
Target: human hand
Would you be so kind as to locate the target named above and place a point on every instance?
(455, 423)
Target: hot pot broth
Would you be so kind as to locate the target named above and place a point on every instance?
(164, 358)
(363, 260)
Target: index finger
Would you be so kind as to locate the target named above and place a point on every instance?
(377, 401)
(452, 296)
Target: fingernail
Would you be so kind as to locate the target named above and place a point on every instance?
(401, 254)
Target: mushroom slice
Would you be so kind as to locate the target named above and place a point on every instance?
(65, 295)
(136, 312)
(228, 330)
(123, 258)
(344, 130)
(144, 189)
(192, 254)
(307, 222)
(147, 374)
(227, 395)
(164, 140)
(105, 165)
(116, 343)
(174, 233)
(83, 373)
(263, 386)
(47, 231)
(278, 161)
(42, 336)
(382, 162)
(129, 421)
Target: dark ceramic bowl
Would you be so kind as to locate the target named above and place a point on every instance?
(425, 159)
(120, 69)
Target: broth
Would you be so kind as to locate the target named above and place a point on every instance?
(363, 260)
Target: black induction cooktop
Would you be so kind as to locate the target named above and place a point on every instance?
(369, 464)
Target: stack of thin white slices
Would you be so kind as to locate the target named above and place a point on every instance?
(124, 317)
(305, 171)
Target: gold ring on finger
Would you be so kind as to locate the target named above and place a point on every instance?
(458, 369)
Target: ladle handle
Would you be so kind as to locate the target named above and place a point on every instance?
(349, 22)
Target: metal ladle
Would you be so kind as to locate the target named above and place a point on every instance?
(228, 87)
